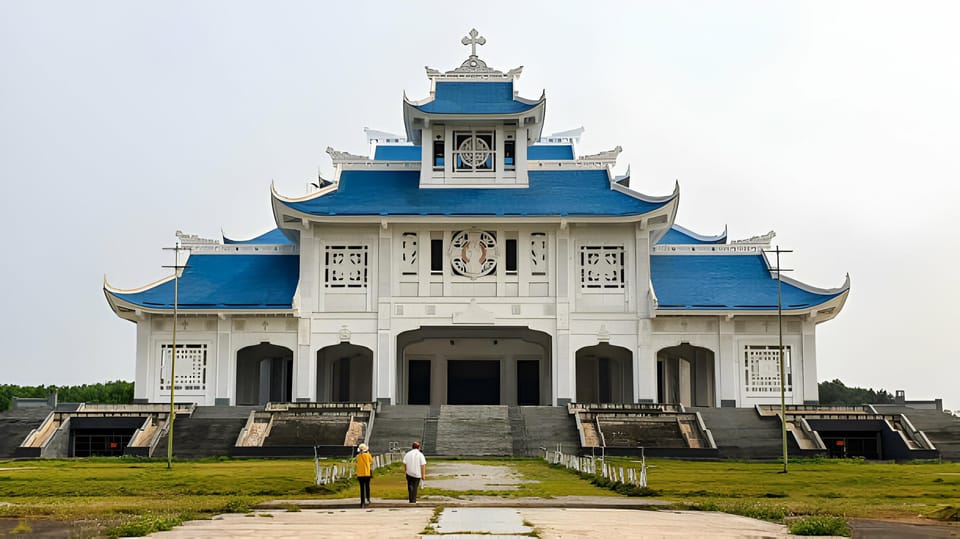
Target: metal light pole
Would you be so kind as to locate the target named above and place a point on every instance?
(783, 370)
(177, 269)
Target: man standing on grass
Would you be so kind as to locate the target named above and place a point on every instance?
(415, 465)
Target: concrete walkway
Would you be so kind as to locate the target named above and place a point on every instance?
(461, 523)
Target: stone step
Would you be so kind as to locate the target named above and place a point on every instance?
(474, 431)
(195, 438)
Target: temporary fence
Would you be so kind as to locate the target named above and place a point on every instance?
(331, 472)
(600, 467)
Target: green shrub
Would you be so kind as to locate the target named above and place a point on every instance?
(819, 525)
(145, 525)
(237, 505)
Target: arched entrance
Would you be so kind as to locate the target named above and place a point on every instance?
(685, 375)
(604, 374)
(345, 373)
(264, 374)
(471, 365)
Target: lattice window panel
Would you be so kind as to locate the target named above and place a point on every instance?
(474, 151)
(601, 266)
(538, 253)
(408, 253)
(191, 371)
(762, 369)
(346, 266)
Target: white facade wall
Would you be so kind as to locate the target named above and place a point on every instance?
(397, 295)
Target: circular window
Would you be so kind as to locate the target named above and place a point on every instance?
(474, 151)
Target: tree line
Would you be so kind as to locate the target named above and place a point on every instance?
(835, 393)
(116, 392)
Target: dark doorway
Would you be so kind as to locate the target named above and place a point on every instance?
(101, 442)
(852, 444)
(418, 387)
(344, 373)
(473, 382)
(660, 394)
(264, 374)
(102, 436)
(528, 382)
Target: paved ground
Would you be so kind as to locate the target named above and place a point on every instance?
(454, 523)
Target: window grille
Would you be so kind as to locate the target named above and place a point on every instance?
(762, 369)
(191, 371)
(601, 266)
(408, 253)
(474, 151)
(538, 253)
(346, 266)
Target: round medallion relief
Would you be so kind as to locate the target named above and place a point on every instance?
(473, 253)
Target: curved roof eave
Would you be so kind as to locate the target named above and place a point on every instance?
(117, 302)
(114, 290)
(615, 186)
(718, 238)
(830, 306)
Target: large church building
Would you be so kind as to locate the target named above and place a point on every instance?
(477, 260)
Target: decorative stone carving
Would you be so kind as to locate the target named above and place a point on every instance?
(339, 157)
(603, 335)
(609, 156)
(473, 66)
(765, 239)
(193, 239)
(345, 333)
(473, 253)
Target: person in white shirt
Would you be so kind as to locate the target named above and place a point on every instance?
(415, 465)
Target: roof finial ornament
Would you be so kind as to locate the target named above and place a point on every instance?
(473, 67)
(473, 39)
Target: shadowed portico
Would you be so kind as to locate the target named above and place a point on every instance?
(484, 366)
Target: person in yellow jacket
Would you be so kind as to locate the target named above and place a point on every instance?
(364, 473)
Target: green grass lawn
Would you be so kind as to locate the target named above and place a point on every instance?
(118, 490)
(850, 488)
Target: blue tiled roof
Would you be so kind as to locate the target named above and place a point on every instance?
(224, 282)
(551, 193)
(474, 98)
(397, 153)
(723, 282)
(678, 235)
(273, 237)
(550, 151)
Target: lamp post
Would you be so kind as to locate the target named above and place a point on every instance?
(783, 370)
(177, 270)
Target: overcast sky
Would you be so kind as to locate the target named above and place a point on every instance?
(836, 124)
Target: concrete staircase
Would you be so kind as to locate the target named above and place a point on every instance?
(401, 425)
(474, 431)
(307, 430)
(643, 432)
(740, 433)
(15, 425)
(941, 429)
(211, 431)
(547, 427)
